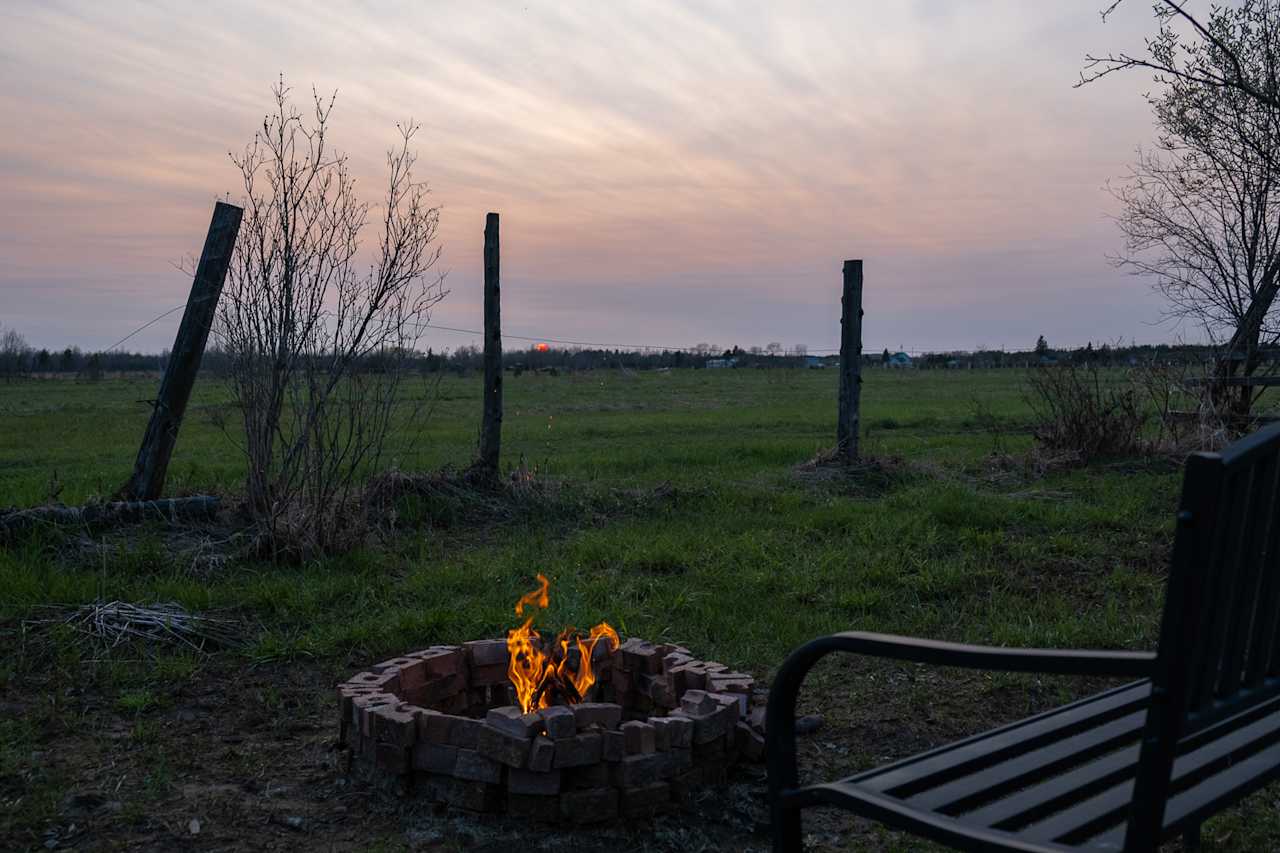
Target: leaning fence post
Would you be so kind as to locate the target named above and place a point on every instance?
(147, 481)
(491, 426)
(850, 362)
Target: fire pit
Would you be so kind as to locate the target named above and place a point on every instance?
(572, 729)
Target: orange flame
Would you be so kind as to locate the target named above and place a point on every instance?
(566, 673)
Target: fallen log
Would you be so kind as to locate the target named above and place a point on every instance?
(116, 512)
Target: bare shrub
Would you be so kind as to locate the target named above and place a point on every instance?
(1086, 411)
(317, 336)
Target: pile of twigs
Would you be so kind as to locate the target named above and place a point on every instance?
(111, 623)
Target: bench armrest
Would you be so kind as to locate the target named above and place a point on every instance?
(781, 712)
(992, 658)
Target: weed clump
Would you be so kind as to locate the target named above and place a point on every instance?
(1085, 413)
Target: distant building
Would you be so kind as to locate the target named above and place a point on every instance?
(721, 362)
(813, 361)
(900, 359)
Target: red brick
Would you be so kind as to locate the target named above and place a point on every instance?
(578, 750)
(673, 659)
(487, 653)
(688, 676)
(738, 701)
(513, 721)
(442, 661)
(475, 767)
(681, 729)
(436, 690)
(393, 759)
(646, 800)
(640, 656)
(662, 727)
(635, 771)
(484, 676)
(750, 742)
(589, 806)
(413, 671)
(455, 704)
(603, 714)
(532, 807)
(697, 702)
(615, 746)
(347, 692)
(659, 689)
(388, 681)
(731, 682)
(435, 758)
(541, 754)
(559, 721)
(624, 681)
(674, 762)
(709, 749)
(587, 776)
(511, 750)
(362, 707)
(394, 726)
(529, 782)
(640, 737)
(465, 733)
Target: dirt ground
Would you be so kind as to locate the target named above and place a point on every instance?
(248, 759)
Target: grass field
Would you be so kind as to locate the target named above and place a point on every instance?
(674, 505)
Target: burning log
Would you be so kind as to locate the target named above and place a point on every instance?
(557, 672)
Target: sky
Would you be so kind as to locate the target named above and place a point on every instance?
(666, 174)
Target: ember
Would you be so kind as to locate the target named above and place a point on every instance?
(557, 672)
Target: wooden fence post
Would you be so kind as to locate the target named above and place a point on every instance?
(147, 481)
(850, 363)
(491, 426)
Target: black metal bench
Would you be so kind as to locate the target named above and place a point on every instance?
(1125, 769)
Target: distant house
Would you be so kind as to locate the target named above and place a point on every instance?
(900, 359)
(721, 362)
(813, 361)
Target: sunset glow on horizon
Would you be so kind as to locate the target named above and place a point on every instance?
(666, 174)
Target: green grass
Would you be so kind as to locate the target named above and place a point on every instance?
(680, 514)
(744, 560)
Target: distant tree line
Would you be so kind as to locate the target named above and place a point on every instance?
(17, 359)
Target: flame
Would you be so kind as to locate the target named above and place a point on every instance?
(566, 672)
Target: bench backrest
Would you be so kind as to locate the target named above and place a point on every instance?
(1219, 651)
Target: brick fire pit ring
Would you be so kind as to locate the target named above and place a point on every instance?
(442, 723)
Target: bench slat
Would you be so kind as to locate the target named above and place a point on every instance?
(1217, 610)
(1261, 508)
(1106, 811)
(1263, 638)
(1038, 801)
(943, 765)
(1060, 756)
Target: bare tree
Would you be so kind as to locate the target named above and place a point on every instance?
(15, 355)
(1172, 56)
(1201, 208)
(318, 337)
